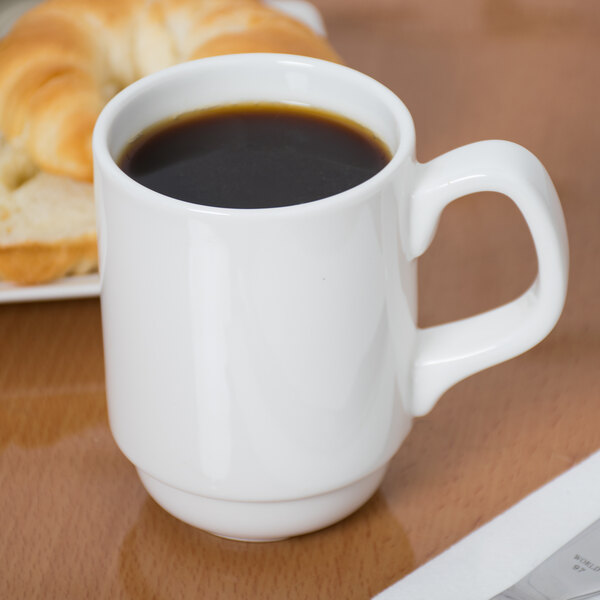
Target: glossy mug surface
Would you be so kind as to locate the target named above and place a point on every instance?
(263, 366)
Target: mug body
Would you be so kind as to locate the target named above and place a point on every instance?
(257, 360)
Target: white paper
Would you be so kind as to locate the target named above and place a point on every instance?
(503, 551)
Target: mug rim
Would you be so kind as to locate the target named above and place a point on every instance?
(104, 161)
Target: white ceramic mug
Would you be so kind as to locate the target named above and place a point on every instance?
(263, 366)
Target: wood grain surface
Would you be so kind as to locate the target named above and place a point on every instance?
(76, 522)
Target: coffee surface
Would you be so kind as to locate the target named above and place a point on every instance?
(254, 156)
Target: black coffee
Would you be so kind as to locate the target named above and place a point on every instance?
(254, 156)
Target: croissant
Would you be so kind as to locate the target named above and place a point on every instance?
(65, 59)
(61, 63)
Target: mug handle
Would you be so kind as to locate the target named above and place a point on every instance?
(447, 353)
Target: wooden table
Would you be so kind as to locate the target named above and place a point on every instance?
(76, 523)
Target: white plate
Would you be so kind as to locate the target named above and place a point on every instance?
(83, 286)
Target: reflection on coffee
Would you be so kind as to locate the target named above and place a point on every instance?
(254, 156)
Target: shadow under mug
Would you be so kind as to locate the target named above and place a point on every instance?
(264, 365)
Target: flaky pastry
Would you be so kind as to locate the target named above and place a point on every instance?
(61, 63)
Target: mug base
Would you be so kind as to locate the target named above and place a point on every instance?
(262, 521)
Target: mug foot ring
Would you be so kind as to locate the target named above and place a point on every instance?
(262, 521)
